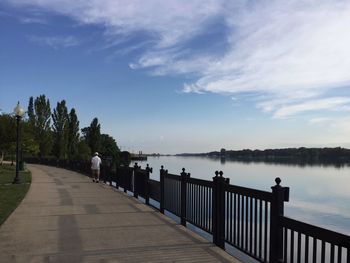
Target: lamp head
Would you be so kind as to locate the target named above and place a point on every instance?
(18, 111)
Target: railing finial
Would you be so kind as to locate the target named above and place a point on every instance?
(278, 181)
(216, 173)
(183, 170)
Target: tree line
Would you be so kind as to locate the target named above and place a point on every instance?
(301, 155)
(47, 133)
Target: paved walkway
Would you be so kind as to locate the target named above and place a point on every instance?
(67, 218)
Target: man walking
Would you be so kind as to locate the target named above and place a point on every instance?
(95, 167)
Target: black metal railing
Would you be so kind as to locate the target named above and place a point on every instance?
(124, 178)
(154, 190)
(247, 220)
(141, 181)
(172, 193)
(199, 203)
(307, 243)
(250, 220)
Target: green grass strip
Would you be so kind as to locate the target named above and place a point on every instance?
(11, 195)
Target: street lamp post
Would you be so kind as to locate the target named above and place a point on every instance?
(18, 111)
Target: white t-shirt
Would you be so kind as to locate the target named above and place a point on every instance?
(95, 163)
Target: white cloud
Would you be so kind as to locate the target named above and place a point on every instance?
(312, 105)
(170, 22)
(294, 53)
(56, 41)
(291, 51)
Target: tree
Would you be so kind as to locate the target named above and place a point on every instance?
(39, 119)
(223, 152)
(60, 130)
(73, 134)
(29, 146)
(7, 135)
(108, 146)
(92, 135)
(125, 158)
(84, 151)
(31, 114)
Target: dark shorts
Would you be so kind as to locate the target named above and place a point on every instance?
(95, 171)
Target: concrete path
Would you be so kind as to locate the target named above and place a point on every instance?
(67, 218)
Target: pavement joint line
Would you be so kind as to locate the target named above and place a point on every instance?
(128, 250)
(113, 227)
(34, 216)
(116, 213)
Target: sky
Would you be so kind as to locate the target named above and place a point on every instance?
(185, 76)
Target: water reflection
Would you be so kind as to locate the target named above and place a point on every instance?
(289, 162)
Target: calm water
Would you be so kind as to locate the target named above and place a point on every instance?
(318, 195)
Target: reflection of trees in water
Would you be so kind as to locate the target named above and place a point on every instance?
(282, 161)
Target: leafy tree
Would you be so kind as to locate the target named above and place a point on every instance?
(84, 151)
(125, 158)
(92, 135)
(60, 130)
(73, 134)
(29, 145)
(31, 114)
(40, 118)
(7, 135)
(108, 146)
(223, 152)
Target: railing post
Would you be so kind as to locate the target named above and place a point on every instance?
(136, 167)
(109, 171)
(110, 176)
(149, 170)
(184, 177)
(161, 178)
(279, 196)
(125, 174)
(104, 172)
(116, 176)
(218, 212)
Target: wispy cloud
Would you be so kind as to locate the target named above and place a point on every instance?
(293, 52)
(311, 105)
(168, 22)
(56, 41)
(33, 20)
(25, 19)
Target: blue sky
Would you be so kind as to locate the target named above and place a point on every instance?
(185, 76)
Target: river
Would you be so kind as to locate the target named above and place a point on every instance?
(319, 195)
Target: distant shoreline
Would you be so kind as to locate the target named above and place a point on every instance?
(301, 156)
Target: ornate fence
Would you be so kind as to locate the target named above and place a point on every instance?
(250, 220)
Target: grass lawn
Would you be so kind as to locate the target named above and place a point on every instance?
(11, 194)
